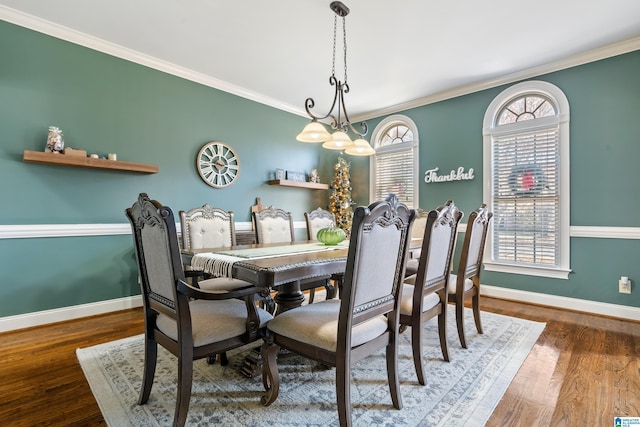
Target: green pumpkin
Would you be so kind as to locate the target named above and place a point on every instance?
(331, 235)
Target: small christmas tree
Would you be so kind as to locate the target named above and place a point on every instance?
(340, 202)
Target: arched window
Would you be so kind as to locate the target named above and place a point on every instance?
(394, 167)
(526, 178)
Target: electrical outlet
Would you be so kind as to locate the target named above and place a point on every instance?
(624, 286)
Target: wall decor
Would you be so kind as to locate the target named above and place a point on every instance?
(55, 143)
(218, 164)
(296, 176)
(431, 175)
(279, 173)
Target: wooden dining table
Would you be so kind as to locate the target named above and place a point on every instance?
(279, 266)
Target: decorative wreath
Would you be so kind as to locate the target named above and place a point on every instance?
(526, 180)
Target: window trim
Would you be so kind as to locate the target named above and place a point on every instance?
(489, 130)
(378, 132)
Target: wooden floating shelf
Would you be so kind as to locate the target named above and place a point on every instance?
(86, 162)
(298, 184)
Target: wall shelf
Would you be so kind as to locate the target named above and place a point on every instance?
(298, 184)
(86, 162)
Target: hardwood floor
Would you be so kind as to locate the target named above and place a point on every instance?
(583, 371)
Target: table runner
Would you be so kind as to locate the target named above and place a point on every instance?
(220, 264)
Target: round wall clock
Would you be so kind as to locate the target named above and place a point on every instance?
(218, 164)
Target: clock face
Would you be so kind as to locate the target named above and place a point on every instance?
(218, 164)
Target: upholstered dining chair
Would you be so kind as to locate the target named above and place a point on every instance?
(417, 231)
(275, 225)
(425, 294)
(189, 322)
(466, 283)
(316, 220)
(341, 332)
(209, 227)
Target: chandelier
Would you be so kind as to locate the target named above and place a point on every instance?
(340, 123)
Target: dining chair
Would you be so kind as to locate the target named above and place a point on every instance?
(341, 332)
(424, 295)
(209, 227)
(466, 283)
(189, 322)
(275, 225)
(316, 220)
(417, 231)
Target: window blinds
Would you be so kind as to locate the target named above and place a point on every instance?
(394, 174)
(526, 198)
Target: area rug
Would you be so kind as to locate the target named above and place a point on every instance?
(463, 392)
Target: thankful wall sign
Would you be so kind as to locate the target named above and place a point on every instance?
(431, 175)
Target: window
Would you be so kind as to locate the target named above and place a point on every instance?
(394, 167)
(526, 176)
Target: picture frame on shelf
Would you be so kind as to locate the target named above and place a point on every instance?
(296, 176)
(279, 173)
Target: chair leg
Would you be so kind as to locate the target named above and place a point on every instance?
(476, 311)
(460, 322)
(150, 358)
(270, 375)
(416, 347)
(312, 295)
(442, 332)
(343, 391)
(185, 378)
(392, 374)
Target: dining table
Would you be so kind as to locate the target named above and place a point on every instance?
(280, 267)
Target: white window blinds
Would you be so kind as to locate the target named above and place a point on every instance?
(526, 198)
(394, 173)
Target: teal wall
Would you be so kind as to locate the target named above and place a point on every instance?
(104, 104)
(107, 105)
(604, 98)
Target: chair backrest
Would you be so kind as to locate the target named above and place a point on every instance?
(474, 242)
(419, 224)
(437, 251)
(316, 220)
(207, 227)
(375, 264)
(157, 255)
(274, 225)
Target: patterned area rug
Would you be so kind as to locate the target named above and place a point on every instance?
(463, 392)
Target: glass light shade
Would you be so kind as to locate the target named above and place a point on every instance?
(314, 132)
(339, 141)
(360, 148)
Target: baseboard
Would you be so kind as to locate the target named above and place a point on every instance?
(593, 307)
(38, 318)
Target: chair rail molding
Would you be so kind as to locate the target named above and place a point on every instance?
(26, 231)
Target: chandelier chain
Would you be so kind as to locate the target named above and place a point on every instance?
(333, 62)
(344, 36)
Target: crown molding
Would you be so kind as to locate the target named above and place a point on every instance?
(604, 52)
(55, 30)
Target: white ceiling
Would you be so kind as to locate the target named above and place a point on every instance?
(401, 53)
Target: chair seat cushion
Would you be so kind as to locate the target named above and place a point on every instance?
(411, 267)
(453, 280)
(213, 321)
(317, 325)
(222, 284)
(406, 302)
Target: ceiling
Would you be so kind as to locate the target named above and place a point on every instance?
(400, 54)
